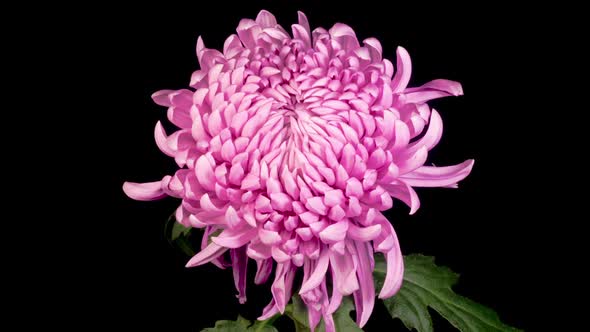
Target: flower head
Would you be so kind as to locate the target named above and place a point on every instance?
(290, 146)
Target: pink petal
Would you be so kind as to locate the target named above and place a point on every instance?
(302, 19)
(232, 218)
(432, 135)
(269, 311)
(316, 204)
(266, 19)
(205, 173)
(269, 237)
(364, 298)
(333, 197)
(413, 161)
(281, 202)
(403, 71)
(363, 234)
(335, 232)
(162, 139)
(206, 255)
(240, 267)
(148, 191)
(318, 274)
(450, 87)
(429, 176)
(263, 270)
(162, 97)
(404, 193)
(235, 238)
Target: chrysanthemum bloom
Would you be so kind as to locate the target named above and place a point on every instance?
(290, 147)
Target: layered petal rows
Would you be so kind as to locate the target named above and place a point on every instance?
(289, 147)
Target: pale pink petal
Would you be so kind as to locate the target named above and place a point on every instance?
(364, 298)
(403, 71)
(266, 19)
(148, 191)
(318, 274)
(162, 97)
(263, 271)
(162, 140)
(335, 232)
(239, 267)
(430, 176)
(432, 135)
(206, 255)
(234, 238)
(363, 234)
(395, 266)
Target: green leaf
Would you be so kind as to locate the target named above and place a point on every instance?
(428, 285)
(297, 311)
(342, 319)
(264, 326)
(243, 325)
(178, 235)
(178, 230)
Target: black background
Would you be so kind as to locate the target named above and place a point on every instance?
(128, 276)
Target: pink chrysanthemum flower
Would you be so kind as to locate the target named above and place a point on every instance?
(290, 146)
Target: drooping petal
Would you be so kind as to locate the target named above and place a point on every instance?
(364, 298)
(395, 265)
(206, 255)
(404, 193)
(263, 271)
(239, 261)
(318, 273)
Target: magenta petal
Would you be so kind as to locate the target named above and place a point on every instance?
(404, 193)
(450, 87)
(414, 160)
(363, 234)
(269, 311)
(395, 272)
(162, 97)
(205, 173)
(364, 298)
(235, 238)
(335, 232)
(430, 176)
(278, 288)
(318, 274)
(432, 135)
(403, 71)
(302, 19)
(162, 139)
(148, 191)
(266, 19)
(239, 267)
(263, 271)
(258, 251)
(343, 273)
(206, 255)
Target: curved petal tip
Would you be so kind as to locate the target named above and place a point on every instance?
(148, 191)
